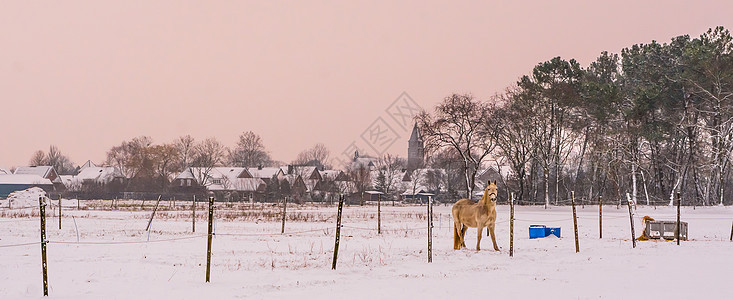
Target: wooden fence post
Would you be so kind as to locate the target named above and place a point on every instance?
(59, 211)
(430, 229)
(631, 220)
(208, 244)
(511, 225)
(285, 207)
(379, 214)
(600, 216)
(193, 212)
(42, 206)
(731, 232)
(338, 232)
(575, 221)
(677, 231)
(153, 214)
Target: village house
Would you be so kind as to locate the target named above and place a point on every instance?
(93, 178)
(231, 183)
(266, 173)
(10, 183)
(47, 172)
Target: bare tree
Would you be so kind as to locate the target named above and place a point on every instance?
(60, 162)
(449, 161)
(207, 155)
(164, 158)
(38, 158)
(389, 167)
(417, 178)
(515, 139)
(318, 153)
(464, 124)
(185, 145)
(361, 178)
(434, 179)
(132, 158)
(555, 85)
(250, 151)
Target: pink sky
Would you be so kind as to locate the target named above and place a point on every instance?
(86, 75)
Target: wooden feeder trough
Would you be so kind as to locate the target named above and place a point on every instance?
(665, 230)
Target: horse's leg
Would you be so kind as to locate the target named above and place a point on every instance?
(463, 235)
(478, 240)
(456, 235)
(493, 237)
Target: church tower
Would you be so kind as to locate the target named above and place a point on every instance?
(415, 150)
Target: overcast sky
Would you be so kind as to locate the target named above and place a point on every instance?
(86, 75)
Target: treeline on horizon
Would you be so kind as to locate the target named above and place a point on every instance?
(150, 167)
(651, 122)
(654, 121)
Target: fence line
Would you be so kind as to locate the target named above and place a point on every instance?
(18, 208)
(272, 234)
(556, 220)
(19, 245)
(126, 242)
(604, 217)
(383, 229)
(14, 221)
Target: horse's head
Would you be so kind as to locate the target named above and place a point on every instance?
(491, 190)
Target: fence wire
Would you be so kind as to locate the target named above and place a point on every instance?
(19, 245)
(127, 242)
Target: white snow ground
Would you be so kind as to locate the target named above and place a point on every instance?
(252, 260)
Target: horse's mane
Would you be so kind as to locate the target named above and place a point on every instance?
(485, 197)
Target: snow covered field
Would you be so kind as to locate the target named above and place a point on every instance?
(252, 260)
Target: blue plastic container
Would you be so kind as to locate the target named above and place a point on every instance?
(537, 231)
(552, 231)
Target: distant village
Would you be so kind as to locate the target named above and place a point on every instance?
(364, 178)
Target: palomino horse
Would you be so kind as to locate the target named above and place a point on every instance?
(468, 213)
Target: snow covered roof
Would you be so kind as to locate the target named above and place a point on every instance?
(224, 179)
(330, 174)
(237, 184)
(186, 174)
(34, 170)
(87, 164)
(504, 171)
(67, 180)
(305, 171)
(418, 191)
(310, 184)
(23, 179)
(233, 172)
(4, 172)
(217, 172)
(98, 174)
(291, 178)
(264, 172)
